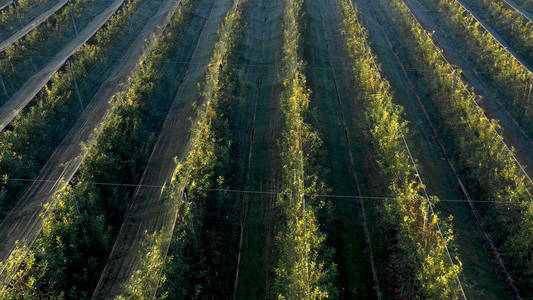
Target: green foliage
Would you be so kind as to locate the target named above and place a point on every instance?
(51, 269)
(494, 61)
(488, 165)
(22, 59)
(210, 134)
(196, 260)
(423, 245)
(303, 270)
(512, 24)
(72, 250)
(21, 287)
(28, 142)
(148, 274)
(27, 9)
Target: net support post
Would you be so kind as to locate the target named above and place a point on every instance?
(72, 17)
(4, 88)
(76, 87)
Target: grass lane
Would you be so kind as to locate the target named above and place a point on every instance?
(344, 160)
(251, 121)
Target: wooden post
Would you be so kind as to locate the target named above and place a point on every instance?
(3, 86)
(75, 83)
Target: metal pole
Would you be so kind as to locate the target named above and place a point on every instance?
(76, 205)
(17, 12)
(426, 221)
(186, 198)
(191, 223)
(528, 99)
(33, 64)
(3, 86)
(453, 80)
(75, 83)
(303, 207)
(72, 17)
(125, 5)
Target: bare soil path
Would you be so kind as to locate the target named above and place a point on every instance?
(147, 211)
(24, 222)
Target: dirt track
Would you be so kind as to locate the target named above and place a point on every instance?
(32, 86)
(333, 96)
(24, 222)
(31, 25)
(172, 142)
